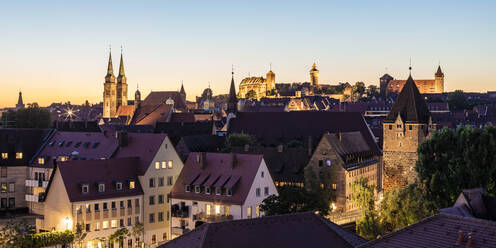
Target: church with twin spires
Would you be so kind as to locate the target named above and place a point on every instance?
(114, 93)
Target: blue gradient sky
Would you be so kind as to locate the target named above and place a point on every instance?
(57, 51)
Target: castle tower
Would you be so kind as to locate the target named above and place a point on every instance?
(407, 125)
(270, 80)
(182, 92)
(314, 75)
(109, 92)
(137, 97)
(121, 87)
(20, 103)
(383, 83)
(439, 80)
(232, 101)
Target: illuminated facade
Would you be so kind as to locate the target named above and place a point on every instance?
(260, 86)
(114, 93)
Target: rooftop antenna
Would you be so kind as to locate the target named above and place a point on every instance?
(410, 68)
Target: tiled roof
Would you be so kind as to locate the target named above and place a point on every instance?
(281, 127)
(289, 231)
(176, 130)
(285, 166)
(142, 145)
(25, 140)
(183, 117)
(88, 146)
(151, 114)
(441, 230)
(215, 164)
(75, 173)
(156, 98)
(127, 110)
(410, 105)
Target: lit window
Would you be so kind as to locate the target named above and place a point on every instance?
(114, 223)
(5, 155)
(18, 155)
(208, 208)
(41, 161)
(118, 186)
(105, 224)
(169, 164)
(257, 211)
(248, 212)
(217, 209)
(227, 210)
(197, 189)
(63, 158)
(164, 164)
(334, 186)
(131, 185)
(4, 187)
(157, 165)
(101, 187)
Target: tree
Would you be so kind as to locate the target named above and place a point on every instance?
(11, 233)
(137, 233)
(239, 139)
(363, 194)
(80, 234)
(457, 100)
(358, 88)
(292, 199)
(451, 161)
(251, 94)
(403, 207)
(118, 236)
(373, 91)
(20, 234)
(31, 117)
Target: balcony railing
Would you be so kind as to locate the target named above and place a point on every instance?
(32, 198)
(212, 217)
(36, 183)
(180, 211)
(179, 230)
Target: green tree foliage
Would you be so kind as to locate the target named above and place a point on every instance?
(358, 88)
(240, 139)
(137, 233)
(251, 94)
(31, 117)
(369, 226)
(458, 101)
(451, 161)
(80, 234)
(292, 199)
(20, 234)
(373, 91)
(363, 194)
(119, 236)
(403, 207)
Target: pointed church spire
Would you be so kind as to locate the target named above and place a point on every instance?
(439, 72)
(20, 103)
(110, 78)
(182, 91)
(121, 66)
(232, 101)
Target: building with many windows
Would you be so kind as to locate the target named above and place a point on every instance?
(215, 187)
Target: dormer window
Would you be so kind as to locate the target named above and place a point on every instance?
(63, 158)
(101, 187)
(85, 188)
(41, 160)
(118, 186)
(132, 184)
(207, 190)
(5, 155)
(187, 188)
(18, 155)
(229, 192)
(197, 189)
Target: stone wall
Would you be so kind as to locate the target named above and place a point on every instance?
(399, 169)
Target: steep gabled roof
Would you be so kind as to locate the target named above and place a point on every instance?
(289, 231)
(409, 105)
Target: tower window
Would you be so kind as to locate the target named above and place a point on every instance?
(409, 127)
(390, 127)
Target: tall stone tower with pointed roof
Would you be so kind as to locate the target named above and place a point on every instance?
(439, 80)
(182, 92)
(20, 103)
(121, 86)
(109, 92)
(314, 75)
(409, 122)
(232, 101)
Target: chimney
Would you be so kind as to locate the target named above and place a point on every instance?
(469, 240)
(280, 148)
(309, 146)
(202, 160)
(122, 138)
(460, 238)
(246, 147)
(233, 160)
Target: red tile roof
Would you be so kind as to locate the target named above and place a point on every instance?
(142, 145)
(243, 173)
(441, 230)
(289, 231)
(150, 115)
(92, 172)
(88, 146)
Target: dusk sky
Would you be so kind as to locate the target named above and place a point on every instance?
(56, 51)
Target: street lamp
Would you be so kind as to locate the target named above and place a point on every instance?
(68, 223)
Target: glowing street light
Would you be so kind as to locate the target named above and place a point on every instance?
(68, 223)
